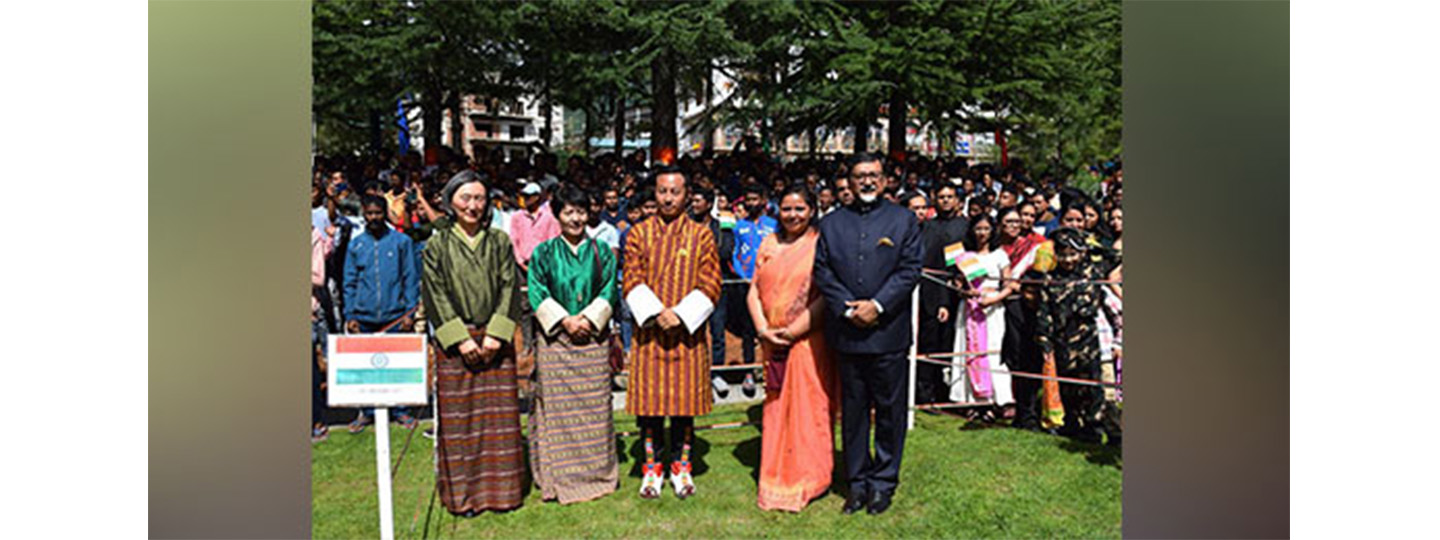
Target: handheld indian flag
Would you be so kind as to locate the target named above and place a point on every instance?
(727, 220)
(968, 263)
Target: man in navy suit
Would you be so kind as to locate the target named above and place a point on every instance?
(867, 263)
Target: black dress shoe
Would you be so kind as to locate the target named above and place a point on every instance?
(855, 502)
(879, 503)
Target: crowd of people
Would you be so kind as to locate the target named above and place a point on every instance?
(560, 278)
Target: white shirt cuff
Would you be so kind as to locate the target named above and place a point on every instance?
(694, 310)
(878, 308)
(643, 304)
(598, 313)
(550, 313)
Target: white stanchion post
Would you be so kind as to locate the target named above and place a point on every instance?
(382, 472)
(914, 355)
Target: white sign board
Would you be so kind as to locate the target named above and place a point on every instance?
(376, 370)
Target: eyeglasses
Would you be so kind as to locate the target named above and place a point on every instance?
(467, 199)
(873, 176)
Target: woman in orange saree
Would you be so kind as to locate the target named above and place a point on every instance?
(801, 389)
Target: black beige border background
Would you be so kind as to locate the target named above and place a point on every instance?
(1207, 151)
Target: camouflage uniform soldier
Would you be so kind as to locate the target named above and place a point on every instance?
(1065, 328)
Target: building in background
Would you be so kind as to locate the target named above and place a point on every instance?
(514, 126)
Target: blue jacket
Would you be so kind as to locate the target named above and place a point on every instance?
(381, 279)
(748, 236)
(874, 253)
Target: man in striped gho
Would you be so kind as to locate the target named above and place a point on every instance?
(671, 284)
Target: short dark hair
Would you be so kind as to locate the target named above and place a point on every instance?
(569, 195)
(668, 169)
(863, 157)
(373, 200)
(916, 194)
(758, 189)
(707, 193)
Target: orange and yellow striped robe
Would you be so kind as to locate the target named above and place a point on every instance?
(670, 370)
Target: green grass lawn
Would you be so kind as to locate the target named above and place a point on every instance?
(957, 481)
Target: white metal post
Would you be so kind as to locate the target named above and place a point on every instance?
(914, 355)
(382, 472)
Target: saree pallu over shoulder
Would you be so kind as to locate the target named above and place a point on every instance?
(797, 442)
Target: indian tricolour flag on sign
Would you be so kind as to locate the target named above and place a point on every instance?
(727, 220)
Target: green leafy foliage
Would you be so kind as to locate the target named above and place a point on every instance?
(1047, 72)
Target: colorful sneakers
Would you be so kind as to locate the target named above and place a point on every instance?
(653, 481)
(680, 477)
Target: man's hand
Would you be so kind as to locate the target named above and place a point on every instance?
(352, 327)
(866, 314)
(989, 300)
(407, 323)
(667, 319)
(320, 359)
(943, 315)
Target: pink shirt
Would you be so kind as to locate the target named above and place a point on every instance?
(319, 249)
(528, 231)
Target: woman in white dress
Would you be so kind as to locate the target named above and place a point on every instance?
(982, 326)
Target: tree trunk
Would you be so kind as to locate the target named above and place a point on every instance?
(457, 126)
(862, 136)
(619, 108)
(375, 132)
(664, 141)
(897, 125)
(709, 138)
(546, 110)
(589, 130)
(432, 116)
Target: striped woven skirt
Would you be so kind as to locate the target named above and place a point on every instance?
(572, 434)
(480, 462)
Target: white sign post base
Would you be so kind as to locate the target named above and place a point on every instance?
(382, 472)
